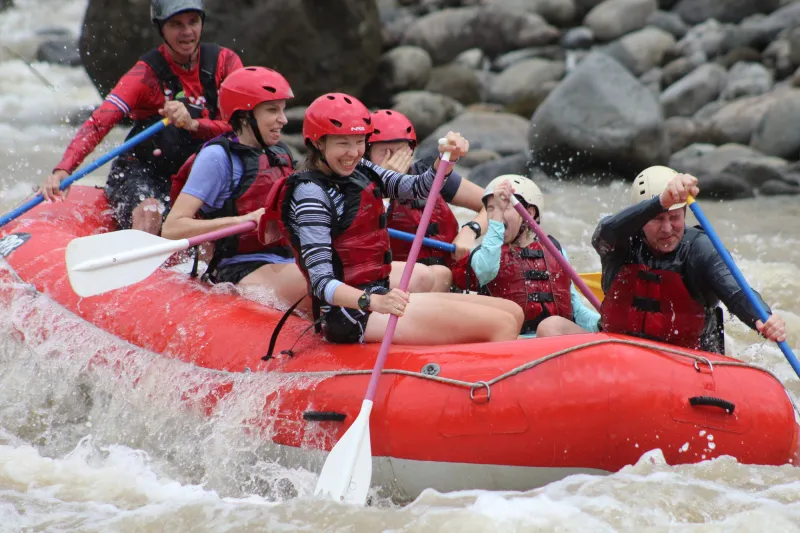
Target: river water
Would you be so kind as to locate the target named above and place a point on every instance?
(78, 454)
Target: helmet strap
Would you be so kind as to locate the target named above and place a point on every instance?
(251, 120)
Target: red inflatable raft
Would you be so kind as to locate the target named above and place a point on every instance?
(511, 415)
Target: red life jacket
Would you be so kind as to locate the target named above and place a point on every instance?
(262, 169)
(530, 276)
(654, 304)
(360, 238)
(443, 226)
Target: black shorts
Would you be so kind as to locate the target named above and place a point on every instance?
(342, 325)
(236, 272)
(129, 183)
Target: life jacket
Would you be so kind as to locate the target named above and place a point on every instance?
(360, 238)
(530, 276)
(176, 144)
(653, 304)
(262, 169)
(443, 226)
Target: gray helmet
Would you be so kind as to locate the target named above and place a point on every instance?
(161, 10)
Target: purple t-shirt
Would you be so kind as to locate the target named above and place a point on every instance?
(212, 182)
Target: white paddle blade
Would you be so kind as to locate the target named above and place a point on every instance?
(108, 261)
(347, 472)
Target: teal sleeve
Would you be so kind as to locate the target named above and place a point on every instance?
(583, 316)
(486, 259)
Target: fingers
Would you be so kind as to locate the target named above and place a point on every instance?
(774, 329)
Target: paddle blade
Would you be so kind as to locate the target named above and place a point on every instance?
(347, 472)
(108, 261)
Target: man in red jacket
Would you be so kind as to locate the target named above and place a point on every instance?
(180, 81)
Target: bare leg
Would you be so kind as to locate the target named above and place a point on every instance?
(500, 304)
(147, 216)
(431, 319)
(285, 280)
(557, 325)
(421, 278)
(442, 278)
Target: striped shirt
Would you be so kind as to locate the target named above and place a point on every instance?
(311, 220)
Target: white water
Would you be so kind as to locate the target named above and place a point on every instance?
(83, 450)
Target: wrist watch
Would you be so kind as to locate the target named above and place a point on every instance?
(474, 226)
(363, 301)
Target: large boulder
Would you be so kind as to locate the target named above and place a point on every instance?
(643, 49)
(318, 46)
(455, 81)
(558, 12)
(482, 174)
(747, 79)
(599, 116)
(405, 68)
(523, 86)
(737, 120)
(696, 11)
(495, 29)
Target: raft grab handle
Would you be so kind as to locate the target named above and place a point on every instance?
(713, 402)
(324, 416)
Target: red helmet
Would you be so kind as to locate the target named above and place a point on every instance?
(392, 126)
(335, 114)
(247, 87)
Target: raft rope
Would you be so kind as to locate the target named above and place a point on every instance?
(473, 386)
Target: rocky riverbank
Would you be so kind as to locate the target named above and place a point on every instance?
(573, 88)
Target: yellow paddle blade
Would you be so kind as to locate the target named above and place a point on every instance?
(593, 281)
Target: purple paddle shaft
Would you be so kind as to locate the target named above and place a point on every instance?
(560, 258)
(444, 164)
(222, 233)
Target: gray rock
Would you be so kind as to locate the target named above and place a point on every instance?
(482, 174)
(739, 54)
(757, 172)
(614, 18)
(494, 29)
(551, 52)
(706, 38)
(779, 188)
(405, 68)
(642, 50)
(794, 46)
(317, 46)
(395, 28)
(737, 120)
(652, 80)
(599, 116)
(457, 82)
(474, 59)
(777, 134)
(708, 111)
(295, 117)
(777, 57)
(725, 186)
(427, 111)
(686, 96)
(697, 11)
(677, 69)
(580, 38)
(477, 157)
(60, 52)
(558, 12)
(747, 79)
(503, 133)
(522, 87)
(669, 22)
(683, 132)
(705, 160)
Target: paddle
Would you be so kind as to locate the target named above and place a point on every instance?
(737, 274)
(545, 240)
(108, 261)
(347, 472)
(124, 147)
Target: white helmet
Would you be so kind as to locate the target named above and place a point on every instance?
(524, 188)
(650, 183)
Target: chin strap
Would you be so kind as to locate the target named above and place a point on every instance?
(251, 120)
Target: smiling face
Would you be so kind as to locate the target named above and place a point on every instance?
(663, 233)
(343, 152)
(182, 32)
(271, 120)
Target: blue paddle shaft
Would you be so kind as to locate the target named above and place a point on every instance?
(124, 147)
(430, 243)
(737, 275)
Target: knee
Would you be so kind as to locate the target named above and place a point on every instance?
(554, 326)
(518, 314)
(506, 328)
(443, 278)
(422, 279)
